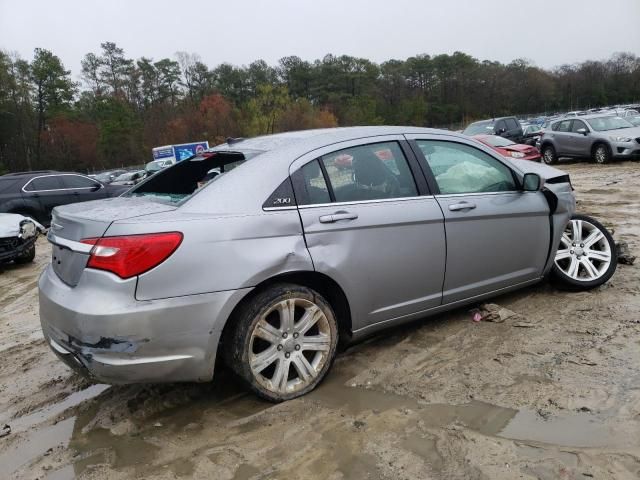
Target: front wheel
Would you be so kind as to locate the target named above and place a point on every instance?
(601, 154)
(587, 255)
(283, 342)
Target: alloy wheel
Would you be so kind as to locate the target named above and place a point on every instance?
(584, 254)
(548, 155)
(601, 154)
(290, 344)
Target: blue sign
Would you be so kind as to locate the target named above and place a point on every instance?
(182, 152)
(162, 153)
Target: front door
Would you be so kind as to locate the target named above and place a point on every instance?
(497, 235)
(580, 143)
(371, 225)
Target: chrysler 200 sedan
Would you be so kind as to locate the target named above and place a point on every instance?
(302, 239)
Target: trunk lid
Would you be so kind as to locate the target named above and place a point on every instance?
(72, 223)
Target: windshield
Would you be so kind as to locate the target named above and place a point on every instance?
(479, 128)
(634, 120)
(179, 182)
(603, 124)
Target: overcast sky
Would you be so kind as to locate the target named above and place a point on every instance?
(548, 32)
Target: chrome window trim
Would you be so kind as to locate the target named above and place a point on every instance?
(271, 209)
(60, 189)
(361, 202)
(477, 194)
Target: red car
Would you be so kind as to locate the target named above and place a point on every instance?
(507, 148)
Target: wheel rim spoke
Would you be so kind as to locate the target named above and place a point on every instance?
(573, 267)
(576, 229)
(281, 375)
(562, 254)
(267, 332)
(286, 309)
(303, 367)
(316, 342)
(263, 359)
(565, 240)
(593, 237)
(591, 270)
(308, 320)
(598, 255)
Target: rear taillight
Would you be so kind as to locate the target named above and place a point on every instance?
(131, 255)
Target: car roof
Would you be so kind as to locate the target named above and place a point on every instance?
(307, 140)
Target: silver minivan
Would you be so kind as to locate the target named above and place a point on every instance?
(302, 239)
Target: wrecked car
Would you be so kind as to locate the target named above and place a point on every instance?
(291, 248)
(18, 235)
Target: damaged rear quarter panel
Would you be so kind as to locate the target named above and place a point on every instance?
(221, 252)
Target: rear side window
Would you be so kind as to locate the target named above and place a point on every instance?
(512, 124)
(460, 168)
(77, 181)
(369, 172)
(51, 182)
(7, 184)
(314, 184)
(577, 125)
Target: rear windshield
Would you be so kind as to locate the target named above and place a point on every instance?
(603, 124)
(479, 128)
(179, 182)
(496, 141)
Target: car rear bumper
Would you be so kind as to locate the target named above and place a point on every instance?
(106, 334)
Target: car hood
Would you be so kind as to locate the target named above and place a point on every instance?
(519, 148)
(10, 224)
(545, 171)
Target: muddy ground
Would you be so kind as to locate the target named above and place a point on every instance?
(551, 393)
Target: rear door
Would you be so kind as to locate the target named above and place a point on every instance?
(497, 235)
(562, 138)
(48, 190)
(81, 188)
(371, 224)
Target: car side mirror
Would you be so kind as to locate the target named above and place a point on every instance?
(501, 131)
(531, 182)
(583, 131)
(96, 187)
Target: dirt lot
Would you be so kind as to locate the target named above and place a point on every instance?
(553, 392)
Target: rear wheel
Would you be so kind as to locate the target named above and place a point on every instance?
(549, 155)
(283, 342)
(601, 154)
(587, 255)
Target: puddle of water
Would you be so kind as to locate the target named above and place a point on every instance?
(39, 416)
(36, 445)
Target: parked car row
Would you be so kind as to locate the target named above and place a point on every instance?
(35, 194)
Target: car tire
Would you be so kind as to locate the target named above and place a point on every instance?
(578, 266)
(27, 256)
(601, 154)
(282, 342)
(549, 155)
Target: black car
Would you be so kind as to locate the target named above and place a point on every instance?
(507, 127)
(34, 194)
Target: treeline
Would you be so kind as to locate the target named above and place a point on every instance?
(123, 107)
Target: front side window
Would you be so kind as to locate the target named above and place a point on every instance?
(564, 126)
(369, 172)
(51, 182)
(501, 126)
(460, 168)
(77, 181)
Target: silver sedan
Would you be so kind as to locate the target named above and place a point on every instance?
(300, 240)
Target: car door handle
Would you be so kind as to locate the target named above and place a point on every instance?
(335, 217)
(454, 207)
